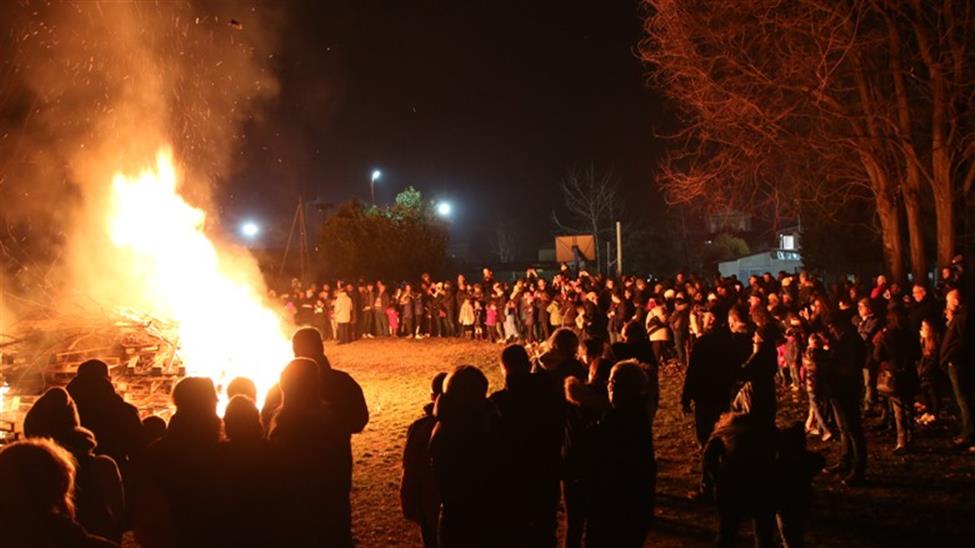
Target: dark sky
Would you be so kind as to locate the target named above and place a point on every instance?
(486, 104)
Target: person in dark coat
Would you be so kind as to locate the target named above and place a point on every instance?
(339, 391)
(757, 375)
(843, 385)
(531, 408)
(738, 460)
(794, 469)
(418, 494)
(463, 449)
(36, 502)
(924, 307)
(114, 422)
(308, 454)
(245, 484)
(956, 359)
(99, 496)
(711, 377)
(897, 350)
(620, 469)
(176, 499)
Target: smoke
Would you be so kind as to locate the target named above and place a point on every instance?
(88, 89)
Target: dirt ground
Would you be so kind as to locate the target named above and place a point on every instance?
(923, 499)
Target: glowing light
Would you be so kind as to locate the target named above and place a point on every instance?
(444, 209)
(250, 229)
(376, 174)
(225, 330)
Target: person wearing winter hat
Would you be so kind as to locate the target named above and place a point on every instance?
(100, 499)
(114, 422)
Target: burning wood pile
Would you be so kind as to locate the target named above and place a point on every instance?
(141, 352)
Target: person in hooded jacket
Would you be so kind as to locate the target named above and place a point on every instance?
(531, 409)
(175, 496)
(114, 422)
(308, 451)
(37, 500)
(463, 451)
(418, 494)
(99, 496)
(620, 468)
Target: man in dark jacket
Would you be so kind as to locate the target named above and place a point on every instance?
(418, 494)
(710, 379)
(923, 308)
(114, 422)
(844, 387)
(955, 358)
(532, 425)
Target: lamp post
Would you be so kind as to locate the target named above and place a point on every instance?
(372, 185)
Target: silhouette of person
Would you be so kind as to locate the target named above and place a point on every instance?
(99, 496)
(36, 501)
(114, 422)
(176, 496)
(620, 468)
(419, 498)
(463, 453)
(343, 396)
(531, 408)
(308, 451)
(244, 486)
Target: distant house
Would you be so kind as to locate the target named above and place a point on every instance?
(785, 257)
(731, 221)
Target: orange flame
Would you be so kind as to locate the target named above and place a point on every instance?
(225, 329)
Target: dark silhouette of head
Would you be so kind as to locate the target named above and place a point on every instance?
(466, 386)
(307, 343)
(300, 384)
(153, 428)
(52, 416)
(627, 383)
(242, 386)
(564, 342)
(242, 420)
(195, 396)
(515, 361)
(93, 369)
(37, 476)
(436, 385)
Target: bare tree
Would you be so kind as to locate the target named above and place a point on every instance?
(821, 102)
(593, 202)
(504, 245)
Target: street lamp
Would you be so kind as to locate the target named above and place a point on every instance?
(250, 230)
(372, 185)
(444, 209)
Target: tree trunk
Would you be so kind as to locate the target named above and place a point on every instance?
(891, 236)
(915, 232)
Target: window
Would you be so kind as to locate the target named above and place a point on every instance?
(788, 241)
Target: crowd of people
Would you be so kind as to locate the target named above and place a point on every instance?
(571, 426)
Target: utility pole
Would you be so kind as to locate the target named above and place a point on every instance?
(298, 223)
(619, 250)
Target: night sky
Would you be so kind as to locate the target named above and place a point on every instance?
(486, 104)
